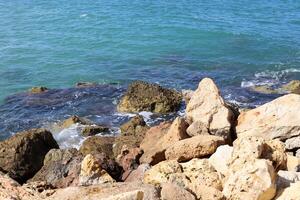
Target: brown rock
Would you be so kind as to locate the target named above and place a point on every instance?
(97, 144)
(138, 174)
(38, 89)
(197, 128)
(195, 147)
(135, 126)
(74, 120)
(173, 192)
(93, 130)
(129, 141)
(293, 86)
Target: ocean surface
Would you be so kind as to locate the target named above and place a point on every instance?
(239, 44)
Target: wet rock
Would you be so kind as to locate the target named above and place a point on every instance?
(276, 119)
(208, 107)
(137, 175)
(293, 86)
(98, 144)
(85, 84)
(93, 130)
(220, 159)
(195, 147)
(143, 96)
(264, 89)
(135, 126)
(39, 89)
(173, 192)
(22, 155)
(286, 178)
(293, 163)
(92, 173)
(61, 168)
(290, 193)
(159, 138)
(74, 120)
(197, 128)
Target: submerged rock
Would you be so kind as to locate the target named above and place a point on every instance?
(38, 89)
(22, 155)
(93, 130)
(143, 96)
(85, 84)
(293, 86)
(98, 144)
(75, 120)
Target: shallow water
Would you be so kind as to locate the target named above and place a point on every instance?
(58, 43)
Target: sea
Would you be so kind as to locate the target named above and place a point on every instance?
(238, 43)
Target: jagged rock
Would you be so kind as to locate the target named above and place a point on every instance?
(208, 107)
(38, 89)
(220, 159)
(135, 126)
(286, 178)
(293, 163)
(195, 147)
(130, 141)
(92, 173)
(93, 130)
(197, 128)
(159, 138)
(292, 143)
(276, 119)
(187, 95)
(98, 144)
(22, 155)
(293, 86)
(74, 120)
(290, 193)
(142, 96)
(85, 84)
(61, 168)
(204, 192)
(174, 192)
(274, 151)
(264, 89)
(138, 174)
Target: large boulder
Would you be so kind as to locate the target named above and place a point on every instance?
(142, 96)
(207, 106)
(22, 155)
(159, 138)
(276, 119)
(98, 144)
(195, 147)
(220, 159)
(290, 193)
(61, 168)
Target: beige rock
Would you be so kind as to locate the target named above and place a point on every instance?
(292, 143)
(264, 89)
(290, 193)
(293, 86)
(220, 159)
(207, 105)
(195, 147)
(91, 172)
(276, 119)
(274, 151)
(197, 128)
(286, 178)
(255, 180)
(204, 192)
(293, 163)
(174, 192)
(38, 89)
(132, 195)
(187, 95)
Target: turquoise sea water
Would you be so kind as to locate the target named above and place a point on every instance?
(175, 43)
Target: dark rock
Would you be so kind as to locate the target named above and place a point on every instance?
(98, 144)
(85, 84)
(22, 155)
(93, 130)
(143, 96)
(39, 89)
(75, 120)
(135, 126)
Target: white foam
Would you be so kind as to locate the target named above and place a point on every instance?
(83, 15)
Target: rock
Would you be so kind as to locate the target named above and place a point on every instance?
(298, 153)
(197, 128)
(85, 84)
(293, 86)
(276, 119)
(39, 89)
(97, 144)
(173, 192)
(74, 120)
(195, 147)
(61, 168)
(142, 96)
(92, 173)
(138, 174)
(159, 138)
(254, 180)
(93, 130)
(274, 151)
(187, 95)
(129, 141)
(220, 159)
(293, 163)
(264, 89)
(204, 192)
(290, 193)
(22, 155)
(112, 191)
(292, 143)
(135, 126)
(286, 178)
(208, 107)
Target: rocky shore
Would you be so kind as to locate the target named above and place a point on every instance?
(214, 151)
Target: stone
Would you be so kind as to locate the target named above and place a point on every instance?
(61, 168)
(135, 126)
(276, 119)
(85, 84)
(255, 180)
(74, 120)
(112, 191)
(208, 107)
(93, 130)
(173, 192)
(204, 192)
(187, 95)
(290, 193)
(98, 144)
(293, 163)
(292, 143)
(38, 89)
(130, 141)
(195, 147)
(286, 178)
(220, 159)
(143, 96)
(92, 173)
(264, 89)
(137, 175)
(22, 155)
(298, 153)
(197, 128)
(274, 150)
(293, 86)
(159, 138)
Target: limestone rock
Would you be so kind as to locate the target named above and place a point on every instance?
(93, 130)
(74, 120)
(276, 119)
(135, 126)
(293, 86)
(197, 128)
(290, 193)
(204, 192)
(173, 192)
(22, 155)
(292, 143)
(138, 174)
(293, 163)
(98, 144)
(195, 147)
(208, 107)
(286, 178)
(274, 150)
(220, 159)
(38, 89)
(130, 141)
(187, 95)
(143, 96)
(264, 89)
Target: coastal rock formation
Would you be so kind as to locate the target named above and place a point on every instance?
(197, 128)
(38, 89)
(91, 130)
(171, 191)
(98, 144)
(22, 155)
(276, 119)
(208, 107)
(143, 96)
(220, 159)
(293, 163)
(292, 87)
(137, 175)
(74, 120)
(195, 147)
(290, 193)
(286, 178)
